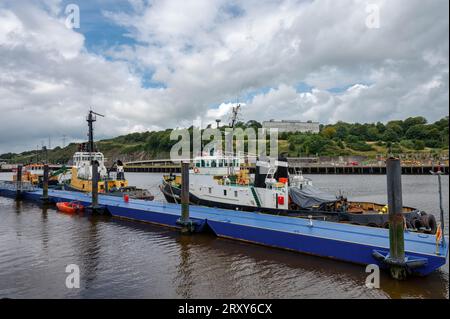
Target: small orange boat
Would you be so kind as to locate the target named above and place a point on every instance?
(69, 207)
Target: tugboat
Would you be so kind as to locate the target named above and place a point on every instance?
(80, 176)
(220, 181)
(34, 174)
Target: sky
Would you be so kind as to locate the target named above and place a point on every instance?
(156, 64)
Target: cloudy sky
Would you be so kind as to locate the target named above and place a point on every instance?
(153, 64)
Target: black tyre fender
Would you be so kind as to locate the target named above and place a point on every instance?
(417, 223)
(409, 225)
(429, 221)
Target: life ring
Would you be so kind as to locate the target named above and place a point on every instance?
(196, 170)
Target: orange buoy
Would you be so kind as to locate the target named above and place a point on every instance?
(69, 207)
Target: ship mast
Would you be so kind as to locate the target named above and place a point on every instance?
(229, 144)
(91, 118)
(234, 115)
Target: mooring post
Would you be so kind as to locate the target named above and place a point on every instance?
(185, 192)
(19, 182)
(187, 225)
(45, 184)
(106, 182)
(439, 173)
(94, 185)
(396, 220)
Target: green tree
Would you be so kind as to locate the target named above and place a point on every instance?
(411, 121)
(396, 126)
(418, 131)
(380, 127)
(341, 130)
(373, 134)
(329, 132)
(390, 135)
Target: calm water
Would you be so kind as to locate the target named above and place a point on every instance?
(121, 259)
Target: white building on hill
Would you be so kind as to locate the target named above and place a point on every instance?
(292, 126)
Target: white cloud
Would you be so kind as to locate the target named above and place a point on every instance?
(213, 52)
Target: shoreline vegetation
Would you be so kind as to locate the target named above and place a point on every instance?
(413, 136)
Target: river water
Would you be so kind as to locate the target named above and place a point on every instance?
(119, 259)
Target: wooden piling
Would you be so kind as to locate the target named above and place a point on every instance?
(187, 225)
(95, 179)
(185, 195)
(396, 220)
(19, 182)
(441, 209)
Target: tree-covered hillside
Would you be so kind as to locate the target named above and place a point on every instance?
(412, 135)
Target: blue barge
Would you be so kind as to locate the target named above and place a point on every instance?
(350, 243)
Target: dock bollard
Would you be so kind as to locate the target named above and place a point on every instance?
(45, 185)
(396, 220)
(19, 182)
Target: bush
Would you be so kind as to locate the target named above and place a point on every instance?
(407, 144)
(352, 139)
(360, 146)
(432, 143)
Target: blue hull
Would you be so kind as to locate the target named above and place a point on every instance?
(353, 252)
(350, 243)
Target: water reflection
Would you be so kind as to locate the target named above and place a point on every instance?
(89, 251)
(184, 280)
(44, 228)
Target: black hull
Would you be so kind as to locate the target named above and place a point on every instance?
(414, 220)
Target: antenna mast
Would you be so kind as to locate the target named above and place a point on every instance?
(91, 118)
(234, 115)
